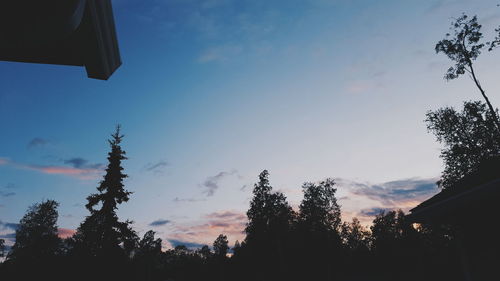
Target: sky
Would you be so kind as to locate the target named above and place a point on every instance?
(212, 92)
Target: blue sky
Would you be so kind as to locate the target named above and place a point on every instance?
(211, 92)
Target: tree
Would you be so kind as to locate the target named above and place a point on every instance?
(463, 47)
(102, 241)
(36, 236)
(319, 210)
(469, 137)
(147, 256)
(221, 246)
(102, 233)
(318, 224)
(269, 222)
(204, 252)
(355, 237)
(148, 246)
(2, 248)
(269, 215)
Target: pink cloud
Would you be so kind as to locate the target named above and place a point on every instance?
(230, 223)
(65, 232)
(84, 173)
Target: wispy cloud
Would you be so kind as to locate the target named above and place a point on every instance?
(366, 200)
(371, 212)
(398, 193)
(190, 200)
(157, 167)
(190, 245)
(79, 168)
(80, 163)
(211, 184)
(159, 222)
(37, 142)
(7, 226)
(7, 194)
(220, 53)
(229, 222)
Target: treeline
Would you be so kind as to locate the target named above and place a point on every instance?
(311, 243)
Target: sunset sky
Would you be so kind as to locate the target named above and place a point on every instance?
(211, 92)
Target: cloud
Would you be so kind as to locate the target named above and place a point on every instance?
(37, 142)
(371, 212)
(234, 215)
(229, 222)
(212, 183)
(79, 168)
(159, 222)
(6, 194)
(65, 232)
(10, 186)
(178, 200)
(189, 245)
(157, 167)
(366, 200)
(398, 192)
(80, 163)
(7, 225)
(220, 53)
(8, 236)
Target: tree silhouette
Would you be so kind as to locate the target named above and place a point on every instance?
(463, 47)
(318, 223)
(221, 246)
(36, 250)
(147, 256)
(2, 248)
(355, 237)
(319, 210)
(36, 236)
(269, 221)
(469, 137)
(101, 236)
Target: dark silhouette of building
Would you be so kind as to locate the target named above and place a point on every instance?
(470, 208)
(66, 32)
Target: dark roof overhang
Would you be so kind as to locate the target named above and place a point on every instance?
(451, 209)
(66, 32)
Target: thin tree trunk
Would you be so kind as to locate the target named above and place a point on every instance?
(483, 93)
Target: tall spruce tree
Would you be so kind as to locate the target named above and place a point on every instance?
(102, 233)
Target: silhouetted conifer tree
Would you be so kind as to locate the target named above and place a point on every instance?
(102, 236)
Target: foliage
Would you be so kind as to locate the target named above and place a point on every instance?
(355, 237)
(463, 47)
(269, 211)
(36, 236)
(102, 233)
(469, 137)
(319, 210)
(221, 246)
(2, 248)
